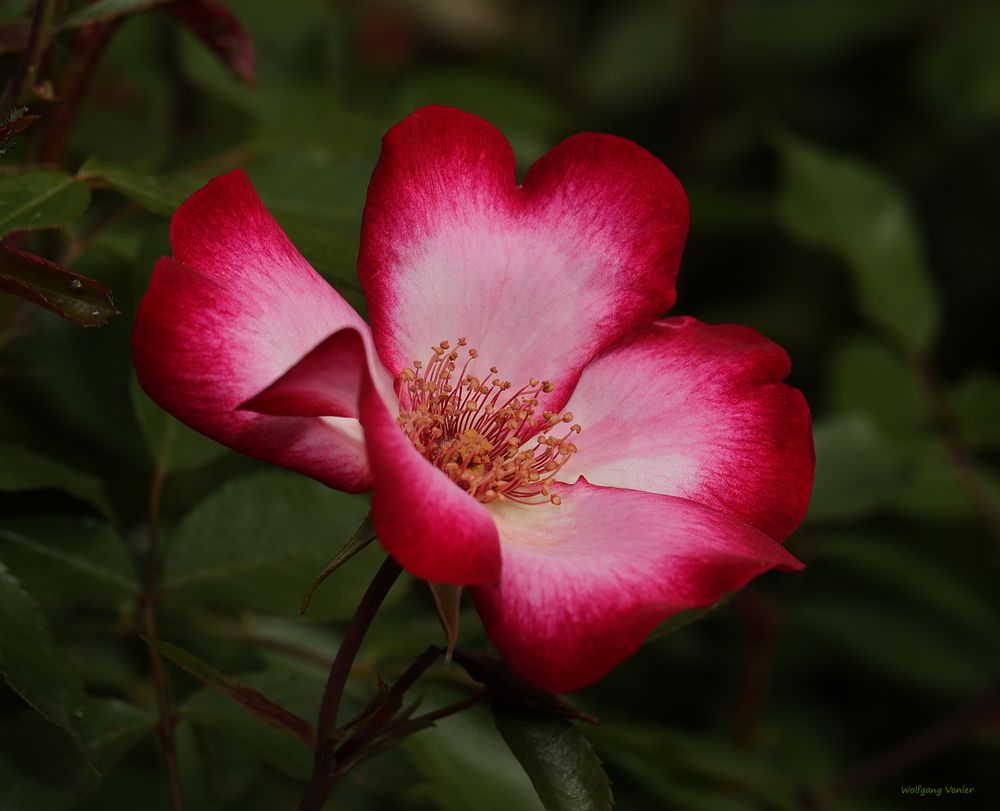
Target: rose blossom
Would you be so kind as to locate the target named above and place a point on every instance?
(526, 427)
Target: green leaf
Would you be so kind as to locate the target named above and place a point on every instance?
(976, 402)
(448, 601)
(868, 377)
(154, 194)
(693, 771)
(63, 560)
(70, 295)
(40, 770)
(40, 199)
(258, 542)
(331, 247)
(958, 70)
(23, 470)
(300, 691)
(562, 765)
(893, 643)
(525, 113)
(106, 9)
(253, 701)
(896, 566)
(32, 664)
(859, 214)
(469, 766)
(857, 469)
(362, 536)
(787, 35)
(638, 56)
(172, 444)
(934, 491)
(684, 618)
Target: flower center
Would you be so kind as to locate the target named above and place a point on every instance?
(473, 429)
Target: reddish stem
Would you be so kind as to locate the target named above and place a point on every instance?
(88, 46)
(323, 776)
(148, 602)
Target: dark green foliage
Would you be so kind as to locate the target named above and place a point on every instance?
(840, 159)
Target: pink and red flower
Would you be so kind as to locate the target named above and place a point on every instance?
(526, 427)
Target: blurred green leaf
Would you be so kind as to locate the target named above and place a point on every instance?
(258, 542)
(639, 54)
(524, 113)
(131, 120)
(448, 601)
(23, 470)
(903, 647)
(62, 559)
(681, 620)
(32, 664)
(898, 567)
(959, 70)
(787, 33)
(41, 771)
(697, 772)
(172, 444)
(933, 490)
(363, 535)
(859, 214)
(329, 247)
(43, 198)
(155, 194)
(857, 469)
(868, 377)
(469, 766)
(74, 297)
(300, 691)
(562, 765)
(106, 9)
(976, 402)
(253, 701)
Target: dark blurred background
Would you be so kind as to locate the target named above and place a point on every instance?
(842, 166)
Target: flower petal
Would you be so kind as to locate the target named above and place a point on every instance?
(433, 528)
(584, 583)
(538, 277)
(233, 310)
(692, 410)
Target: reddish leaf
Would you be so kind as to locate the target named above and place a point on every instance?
(74, 297)
(14, 36)
(15, 125)
(215, 24)
(252, 700)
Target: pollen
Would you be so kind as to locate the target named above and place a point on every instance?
(490, 439)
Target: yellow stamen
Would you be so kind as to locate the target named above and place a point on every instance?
(475, 432)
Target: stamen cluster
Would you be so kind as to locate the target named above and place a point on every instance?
(473, 428)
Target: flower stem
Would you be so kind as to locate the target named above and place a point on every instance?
(323, 775)
(27, 68)
(86, 51)
(148, 602)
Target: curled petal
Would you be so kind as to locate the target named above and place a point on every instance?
(234, 308)
(698, 411)
(584, 583)
(434, 529)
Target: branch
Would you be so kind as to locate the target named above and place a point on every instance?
(148, 599)
(923, 746)
(323, 773)
(86, 51)
(27, 68)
